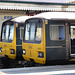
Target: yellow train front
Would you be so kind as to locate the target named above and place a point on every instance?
(34, 41)
(11, 41)
(47, 38)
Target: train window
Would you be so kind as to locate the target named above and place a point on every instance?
(72, 32)
(32, 32)
(39, 32)
(27, 31)
(57, 32)
(3, 33)
(21, 32)
(7, 31)
(11, 32)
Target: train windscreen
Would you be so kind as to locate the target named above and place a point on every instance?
(7, 33)
(33, 31)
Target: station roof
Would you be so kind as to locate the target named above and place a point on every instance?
(37, 6)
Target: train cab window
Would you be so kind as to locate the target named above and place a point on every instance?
(33, 31)
(11, 32)
(3, 33)
(39, 32)
(7, 33)
(57, 32)
(27, 31)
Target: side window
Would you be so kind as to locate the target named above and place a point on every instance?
(21, 32)
(61, 32)
(32, 32)
(57, 32)
(11, 32)
(27, 31)
(3, 33)
(72, 32)
(39, 32)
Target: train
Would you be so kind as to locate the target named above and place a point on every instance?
(49, 37)
(45, 38)
(11, 41)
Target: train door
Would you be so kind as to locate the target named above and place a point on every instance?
(19, 34)
(72, 36)
(56, 41)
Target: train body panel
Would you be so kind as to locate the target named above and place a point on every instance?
(6, 50)
(34, 55)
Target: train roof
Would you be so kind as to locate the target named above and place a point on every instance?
(56, 15)
(20, 19)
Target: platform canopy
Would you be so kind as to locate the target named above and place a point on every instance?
(37, 8)
(37, 5)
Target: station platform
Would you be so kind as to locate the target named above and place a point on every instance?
(43, 70)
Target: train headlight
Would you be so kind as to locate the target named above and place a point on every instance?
(24, 52)
(41, 54)
(12, 51)
(0, 49)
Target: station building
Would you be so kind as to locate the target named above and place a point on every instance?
(10, 9)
